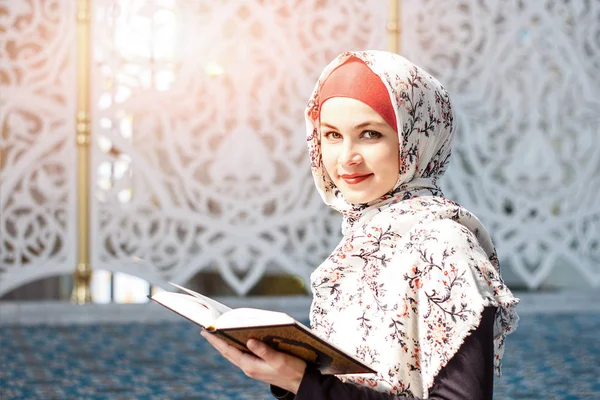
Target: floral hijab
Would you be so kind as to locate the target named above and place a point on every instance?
(414, 271)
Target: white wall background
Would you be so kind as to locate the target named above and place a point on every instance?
(199, 157)
(37, 140)
(525, 76)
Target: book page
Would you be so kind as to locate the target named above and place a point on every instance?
(247, 317)
(221, 308)
(189, 307)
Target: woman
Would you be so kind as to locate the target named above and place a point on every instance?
(414, 287)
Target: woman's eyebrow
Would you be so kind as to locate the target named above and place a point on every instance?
(326, 125)
(359, 126)
(368, 123)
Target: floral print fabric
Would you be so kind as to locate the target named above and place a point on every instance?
(413, 272)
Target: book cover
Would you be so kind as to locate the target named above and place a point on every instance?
(278, 330)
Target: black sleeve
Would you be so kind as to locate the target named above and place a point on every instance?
(468, 375)
(282, 394)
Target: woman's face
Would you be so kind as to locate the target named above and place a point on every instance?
(359, 149)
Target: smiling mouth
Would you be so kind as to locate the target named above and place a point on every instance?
(355, 178)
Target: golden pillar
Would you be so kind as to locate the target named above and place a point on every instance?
(393, 26)
(83, 273)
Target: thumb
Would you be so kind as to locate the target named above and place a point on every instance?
(259, 349)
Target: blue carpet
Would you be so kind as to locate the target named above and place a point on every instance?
(548, 357)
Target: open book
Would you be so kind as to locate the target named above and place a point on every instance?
(278, 330)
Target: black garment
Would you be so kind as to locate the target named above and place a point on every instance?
(469, 375)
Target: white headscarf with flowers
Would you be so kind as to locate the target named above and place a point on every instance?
(414, 271)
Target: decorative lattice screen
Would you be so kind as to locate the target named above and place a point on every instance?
(37, 140)
(200, 155)
(525, 76)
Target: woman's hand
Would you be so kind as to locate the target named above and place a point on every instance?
(265, 365)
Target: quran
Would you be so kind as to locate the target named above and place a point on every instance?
(278, 330)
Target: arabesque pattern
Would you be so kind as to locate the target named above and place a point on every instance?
(37, 140)
(200, 157)
(199, 153)
(524, 77)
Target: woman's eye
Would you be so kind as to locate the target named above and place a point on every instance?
(332, 135)
(371, 135)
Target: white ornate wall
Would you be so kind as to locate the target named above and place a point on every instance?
(201, 104)
(199, 157)
(525, 77)
(37, 140)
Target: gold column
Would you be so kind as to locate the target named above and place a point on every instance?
(393, 26)
(83, 273)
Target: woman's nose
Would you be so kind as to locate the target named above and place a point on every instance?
(350, 154)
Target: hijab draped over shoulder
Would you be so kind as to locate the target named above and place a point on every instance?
(414, 271)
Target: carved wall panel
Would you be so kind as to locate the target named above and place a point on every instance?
(525, 77)
(200, 158)
(37, 140)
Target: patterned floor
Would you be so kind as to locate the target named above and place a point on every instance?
(549, 357)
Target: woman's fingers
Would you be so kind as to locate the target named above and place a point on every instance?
(250, 364)
(229, 352)
(260, 349)
(265, 364)
(272, 357)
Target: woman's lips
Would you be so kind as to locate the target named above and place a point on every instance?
(353, 179)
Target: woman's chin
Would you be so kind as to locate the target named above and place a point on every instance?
(360, 198)
(366, 191)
